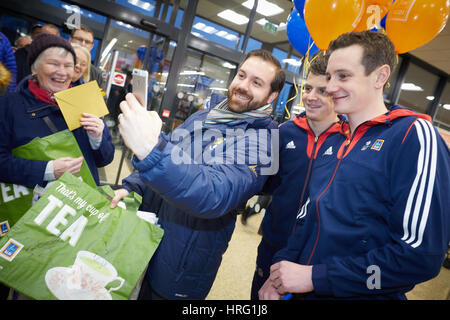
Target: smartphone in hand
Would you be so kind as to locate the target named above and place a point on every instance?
(140, 85)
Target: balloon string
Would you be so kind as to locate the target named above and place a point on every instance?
(306, 65)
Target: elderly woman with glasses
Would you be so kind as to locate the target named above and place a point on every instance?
(32, 111)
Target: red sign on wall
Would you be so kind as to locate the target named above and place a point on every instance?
(166, 113)
(119, 79)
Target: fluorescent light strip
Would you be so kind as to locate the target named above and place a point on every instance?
(189, 73)
(209, 30)
(108, 49)
(219, 89)
(233, 17)
(293, 62)
(228, 65)
(411, 87)
(264, 8)
(142, 4)
(199, 26)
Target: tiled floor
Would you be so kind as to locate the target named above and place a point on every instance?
(235, 275)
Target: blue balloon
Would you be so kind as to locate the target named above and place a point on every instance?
(141, 51)
(300, 6)
(298, 34)
(383, 21)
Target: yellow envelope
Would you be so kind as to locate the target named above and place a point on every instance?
(85, 98)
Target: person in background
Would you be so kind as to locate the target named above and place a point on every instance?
(196, 200)
(83, 65)
(22, 42)
(376, 222)
(85, 37)
(302, 140)
(8, 61)
(23, 69)
(24, 115)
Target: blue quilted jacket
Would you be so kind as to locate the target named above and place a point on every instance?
(8, 59)
(196, 199)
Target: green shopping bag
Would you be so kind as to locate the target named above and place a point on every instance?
(15, 200)
(71, 245)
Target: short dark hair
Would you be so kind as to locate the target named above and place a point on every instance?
(83, 28)
(318, 64)
(280, 77)
(378, 48)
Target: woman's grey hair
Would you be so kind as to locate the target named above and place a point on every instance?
(55, 50)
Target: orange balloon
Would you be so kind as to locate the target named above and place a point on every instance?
(374, 11)
(410, 24)
(328, 19)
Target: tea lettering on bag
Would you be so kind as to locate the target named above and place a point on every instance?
(66, 191)
(18, 191)
(80, 203)
(52, 204)
(93, 211)
(60, 218)
(73, 232)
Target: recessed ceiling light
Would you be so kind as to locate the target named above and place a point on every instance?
(293, 62)
(234, 17)
(231, 37)
(222, 34)
(210, 30)
(197, 34)
(228, 65)
(192, 72)
(219, 89)
(199, 26)
(142, 4)
(431, 98)
(411, 87)
(446, 106)
(265, 8)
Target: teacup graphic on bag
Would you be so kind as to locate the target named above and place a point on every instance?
(86, 279)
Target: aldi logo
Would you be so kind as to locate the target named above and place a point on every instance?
(377, 145)
(10, 250)
(4, 228)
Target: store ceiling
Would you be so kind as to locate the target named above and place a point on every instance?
(436, 52)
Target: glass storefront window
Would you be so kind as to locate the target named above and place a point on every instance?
(208, 30)
(280, 55)
(84, 13)
(442, 117)
(154, 8)
(280, 108)
(270, 20)
(252, 44)
(129, 44)
(146, 7)
(294, 63)
(235, 17)
(13, 27)
(178, 18)
(418, 88)
(203, 83)
(393, 77)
